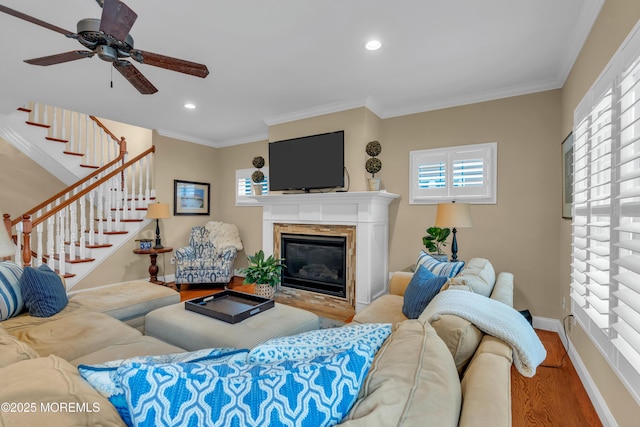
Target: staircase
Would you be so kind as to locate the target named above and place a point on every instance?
(104, 205)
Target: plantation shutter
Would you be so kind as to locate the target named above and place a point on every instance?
(605, 268)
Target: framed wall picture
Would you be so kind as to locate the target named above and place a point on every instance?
(191, 198)
(567, 176)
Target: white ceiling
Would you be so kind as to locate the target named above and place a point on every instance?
(277, 60)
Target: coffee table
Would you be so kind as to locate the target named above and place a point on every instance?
(193, 331)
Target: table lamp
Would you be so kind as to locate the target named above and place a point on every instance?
(157, 211)
(7, 248)
(453, 215)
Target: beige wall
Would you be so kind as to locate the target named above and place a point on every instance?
(615, 21)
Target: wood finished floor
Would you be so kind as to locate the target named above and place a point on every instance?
(554, 397)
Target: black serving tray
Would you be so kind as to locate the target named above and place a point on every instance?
(229, 306)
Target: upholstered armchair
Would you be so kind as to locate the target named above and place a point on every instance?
(210, 256)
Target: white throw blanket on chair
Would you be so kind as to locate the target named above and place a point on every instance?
(222, 235)
(494, 318)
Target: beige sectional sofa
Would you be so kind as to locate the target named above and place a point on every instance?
(417, 378)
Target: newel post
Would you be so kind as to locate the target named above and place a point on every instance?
(26, 245)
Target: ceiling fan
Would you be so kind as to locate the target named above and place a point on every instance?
(109, 38)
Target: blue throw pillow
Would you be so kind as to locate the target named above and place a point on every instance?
(11, 301)
(420, 291)
(104, 378)
(43, 292)
(321, 342)
(439, 268)
(318, 392)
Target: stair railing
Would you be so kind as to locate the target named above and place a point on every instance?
(82, 134)
(81, 217)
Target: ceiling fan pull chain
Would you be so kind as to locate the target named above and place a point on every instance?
(111, 77)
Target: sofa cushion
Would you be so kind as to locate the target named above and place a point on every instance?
(105, 379)
(386, 309)
(13, 350)
(43, 292)
(412, 382)
(53, 394)
(124, 349)
(75, 335)
(461, 337)
(478, 276)
(11, 302)
(424, 285)
(321, 342)
(439, 268)
(317, 392)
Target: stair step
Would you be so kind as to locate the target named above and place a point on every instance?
(66, 275)
(71, 153)
(122, 220)
(26, 110)
(50, 138)
(42, 125)
(89, 166)
(72, 261)
(96, 246)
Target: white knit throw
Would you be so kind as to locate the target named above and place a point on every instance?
(494, 318)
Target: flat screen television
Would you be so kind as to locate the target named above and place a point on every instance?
(307, 163)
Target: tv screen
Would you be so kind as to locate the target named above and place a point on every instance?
(306, 163)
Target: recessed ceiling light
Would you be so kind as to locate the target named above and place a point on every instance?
(373, 45)
(190, 106)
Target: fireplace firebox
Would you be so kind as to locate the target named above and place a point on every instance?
(315, 263)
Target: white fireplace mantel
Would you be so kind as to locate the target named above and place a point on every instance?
(368, 211)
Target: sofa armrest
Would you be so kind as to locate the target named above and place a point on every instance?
(186, 253)
(503, 289)
(399, 282)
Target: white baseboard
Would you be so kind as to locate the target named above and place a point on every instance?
(555, 325)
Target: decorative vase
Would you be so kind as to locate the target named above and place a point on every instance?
(257, 189)
(264, 290)
(373, 184)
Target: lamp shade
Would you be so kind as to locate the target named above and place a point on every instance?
(453, 215)
(7, 248)
(158, 210)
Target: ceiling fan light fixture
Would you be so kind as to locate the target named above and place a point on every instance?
(190, 106)
(373, 45)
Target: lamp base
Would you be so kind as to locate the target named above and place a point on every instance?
(158, 241)
(454, 246)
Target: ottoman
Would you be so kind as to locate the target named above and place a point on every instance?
(193, 331)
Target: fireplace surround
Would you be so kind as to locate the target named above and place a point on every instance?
(362, 216)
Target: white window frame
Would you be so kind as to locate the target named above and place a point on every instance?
(605, 259)
(486, 193)
(244, 200)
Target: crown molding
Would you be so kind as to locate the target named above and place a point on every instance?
(188, 138)
(320, 110)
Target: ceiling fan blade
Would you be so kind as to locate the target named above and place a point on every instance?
(60, 57)
(174, 64)
(37, 21)
(135, 77)
(117, 19)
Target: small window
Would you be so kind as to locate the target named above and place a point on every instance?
(465, 173)
(244, 186)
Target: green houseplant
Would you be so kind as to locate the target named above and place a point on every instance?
(435, 241)
(264, 272)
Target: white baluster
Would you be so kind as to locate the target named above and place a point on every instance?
(71, 133)
(39, 249)
(107, 208)
(100, 214)
(50, 239)
(53, 124)
(60, 245)
(95, 144)
(83, 226)
(92, 196)
(18, 254)
(73, 226)
(141, 170)
(63, 130)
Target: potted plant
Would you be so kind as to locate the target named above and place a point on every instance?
(264, 272)
(373, 165)
(434, 241)
(257, 176)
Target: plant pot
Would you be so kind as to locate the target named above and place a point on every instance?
(264, 290)
(440, 257)
(373, 184)
(257, 189)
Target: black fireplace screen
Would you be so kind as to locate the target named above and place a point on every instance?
(315, 263)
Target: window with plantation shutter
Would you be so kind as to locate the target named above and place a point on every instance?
(464, 173)
(605, 270)
(244, 186)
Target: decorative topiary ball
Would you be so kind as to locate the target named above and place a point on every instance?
(374, 148)
(257, 177)
(373, 165)
(258, 162)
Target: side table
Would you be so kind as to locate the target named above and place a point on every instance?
(153, 268)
